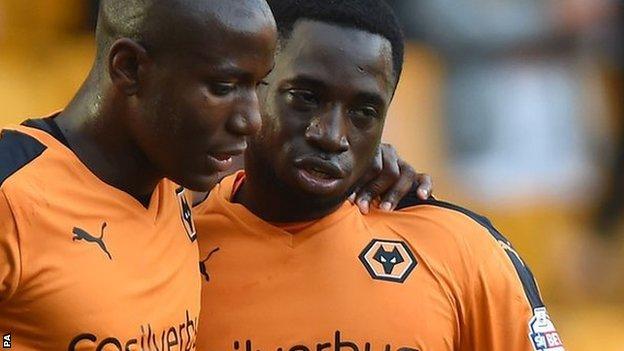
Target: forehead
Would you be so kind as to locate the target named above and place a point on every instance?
(219, 33)
(331, 52)
(227, 43)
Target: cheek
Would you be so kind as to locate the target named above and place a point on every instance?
(278, 141)
(282, 125)
(364, 149)
(200, 113)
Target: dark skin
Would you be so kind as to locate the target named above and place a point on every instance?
(323, 115)
(180, 102)
(387, 181)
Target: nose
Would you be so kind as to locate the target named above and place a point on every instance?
(245, 120)
(328, 131)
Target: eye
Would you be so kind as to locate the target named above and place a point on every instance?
(262, 83)
(221, 88)
(303, 97)
(366, 112)
(364, 116)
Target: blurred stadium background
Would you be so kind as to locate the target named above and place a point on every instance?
(514, 107)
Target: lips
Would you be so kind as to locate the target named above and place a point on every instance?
(224, 156)
(320, 168)
(222, 160)
(318, 176)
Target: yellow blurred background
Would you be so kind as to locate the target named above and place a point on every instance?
(46, 48)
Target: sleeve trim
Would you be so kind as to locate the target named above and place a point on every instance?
(18, 150)
(524, 273)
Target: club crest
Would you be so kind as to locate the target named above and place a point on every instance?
(388, 260)
(186, 215)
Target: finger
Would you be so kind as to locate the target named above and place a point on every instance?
(351, 197)
(399, 189)
(389, 175)
(361, 198)
(363, 205)
(425, 185)
(374, 169)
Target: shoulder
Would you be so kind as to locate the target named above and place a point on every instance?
(447, 221)
(17, 151)
(30, 165)
(453, 217)
(6, 212)
(479, 243)
(452, 229)
(412, 202)
(206, 203)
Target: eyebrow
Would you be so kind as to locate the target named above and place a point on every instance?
(227, 69)
(230, 71)
(221, 66)
(373, 98)
(368, 96)
(270, 70)
(308, 80)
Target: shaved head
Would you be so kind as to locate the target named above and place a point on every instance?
(175, 81)
(161, 25)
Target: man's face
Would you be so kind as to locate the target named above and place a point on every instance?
(324, 107)
(199, 102)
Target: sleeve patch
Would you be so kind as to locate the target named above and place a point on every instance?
(543, 335)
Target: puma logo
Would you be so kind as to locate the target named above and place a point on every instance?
(202, 265)
(80, 234)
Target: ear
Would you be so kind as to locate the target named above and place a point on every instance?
(125, 60)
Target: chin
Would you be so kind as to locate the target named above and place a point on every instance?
(317, 195)
(199, 183)
(325, 201)
(321, 194)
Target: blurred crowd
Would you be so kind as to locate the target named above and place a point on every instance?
(525, 96)
(525, 100)
(531, 105)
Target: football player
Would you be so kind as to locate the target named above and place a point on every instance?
(289, 265)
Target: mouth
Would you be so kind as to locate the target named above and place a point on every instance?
(223, 160)
(318, 175)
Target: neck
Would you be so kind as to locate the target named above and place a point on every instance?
(95, 131)
(273, 201)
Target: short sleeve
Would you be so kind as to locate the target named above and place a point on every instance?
(503, 309)
(10, 261)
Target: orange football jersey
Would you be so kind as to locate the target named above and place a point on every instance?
(83, 265)
(430, 277)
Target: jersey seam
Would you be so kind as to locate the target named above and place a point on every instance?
(521, 297)
(453, 300)
(19, 243)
